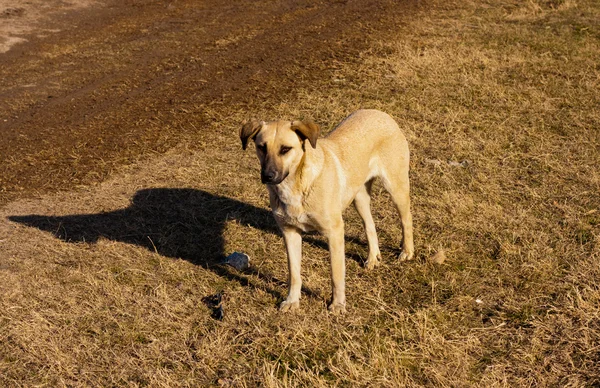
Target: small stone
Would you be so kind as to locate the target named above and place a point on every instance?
(238, 260)
(439, 257)
(435, 162)
(463, 164)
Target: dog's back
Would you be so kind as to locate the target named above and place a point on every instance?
(370, 144)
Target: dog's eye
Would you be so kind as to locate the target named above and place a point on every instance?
(284, 150)
(262, 148)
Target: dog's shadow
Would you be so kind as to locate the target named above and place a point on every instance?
(179, 223)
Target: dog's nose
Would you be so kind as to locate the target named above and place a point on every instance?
(268, 176)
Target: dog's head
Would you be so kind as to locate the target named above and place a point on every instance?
(280, 145)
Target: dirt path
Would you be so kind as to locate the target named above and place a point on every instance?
(20, 20)
(123, 80)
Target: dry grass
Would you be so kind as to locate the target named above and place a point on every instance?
(511, 87)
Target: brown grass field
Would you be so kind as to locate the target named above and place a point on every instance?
(108, 284)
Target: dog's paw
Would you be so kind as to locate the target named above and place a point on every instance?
(337, 308)
(406, 255)
(372, 262)
(286, 306)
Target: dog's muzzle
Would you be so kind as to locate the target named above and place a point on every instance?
(272, 177)
(268, 177)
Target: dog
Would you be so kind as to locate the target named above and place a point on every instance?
(311, 181)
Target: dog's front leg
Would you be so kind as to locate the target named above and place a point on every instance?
(293, 246)
(338, 268)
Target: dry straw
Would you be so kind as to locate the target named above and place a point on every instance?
(103, 286)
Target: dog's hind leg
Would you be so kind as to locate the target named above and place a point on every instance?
(362, 203)
(399, 190)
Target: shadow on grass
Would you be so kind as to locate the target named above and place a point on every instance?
(180, 223)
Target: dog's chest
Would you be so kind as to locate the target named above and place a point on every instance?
(288, 209)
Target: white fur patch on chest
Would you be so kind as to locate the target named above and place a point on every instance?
(288, 208)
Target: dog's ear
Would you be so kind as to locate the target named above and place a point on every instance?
(307, 129)
(249, 131)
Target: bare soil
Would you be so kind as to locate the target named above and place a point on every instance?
(126, 79)
(37, 18)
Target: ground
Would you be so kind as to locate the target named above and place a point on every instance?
(123, 184)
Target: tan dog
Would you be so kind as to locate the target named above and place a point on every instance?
(311, 182)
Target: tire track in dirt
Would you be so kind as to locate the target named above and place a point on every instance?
(117, 85)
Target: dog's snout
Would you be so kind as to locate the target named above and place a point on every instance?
(268, 176)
